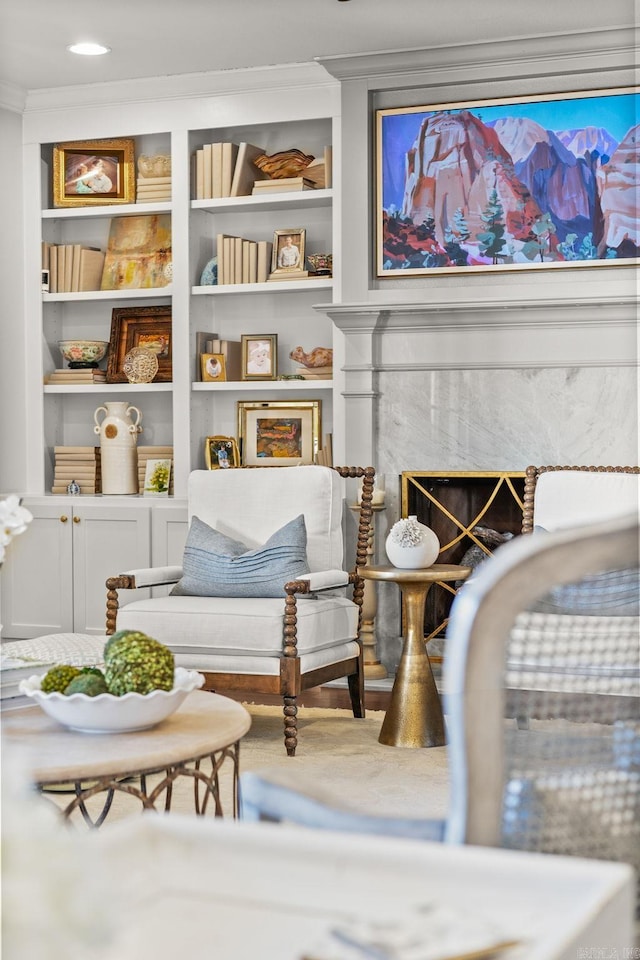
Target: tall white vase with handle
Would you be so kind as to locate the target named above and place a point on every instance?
(118, 434)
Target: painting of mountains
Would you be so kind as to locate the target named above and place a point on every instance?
(509, 184)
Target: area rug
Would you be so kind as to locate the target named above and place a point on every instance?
(338, 752)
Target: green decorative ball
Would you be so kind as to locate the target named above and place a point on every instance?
(136, 663)
(58, 678)
(91, 683)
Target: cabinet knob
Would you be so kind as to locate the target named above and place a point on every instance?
(63, 519)
(76, 519)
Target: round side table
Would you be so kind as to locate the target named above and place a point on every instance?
(414, 717)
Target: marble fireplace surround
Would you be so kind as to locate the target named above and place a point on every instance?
(483, 384)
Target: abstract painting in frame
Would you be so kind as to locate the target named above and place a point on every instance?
(523, 183)
(278, 433)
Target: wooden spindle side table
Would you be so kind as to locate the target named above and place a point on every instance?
(414, 717)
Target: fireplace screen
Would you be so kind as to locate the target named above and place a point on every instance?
(471, 514)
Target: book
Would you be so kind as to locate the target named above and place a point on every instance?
(91, 267)
(138, 253)
(53, 268)
(253, 261)
(245, 260)
(232, 352)
(315, 371)
(207, 183)
(263, 260)
(68, 267)
(289, 275)
(62, 259)
(229, 155)
(75, 268)
(200, 174)
(284, 185)
(63, 449)
(152, 181)
(238, 245)
(245, 171)
(216, 170)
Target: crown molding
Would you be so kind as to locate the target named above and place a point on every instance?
(179, 87)
(579, 52)
(12, 97)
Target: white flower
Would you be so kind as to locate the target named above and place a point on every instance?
(407, 532)
(14, 520)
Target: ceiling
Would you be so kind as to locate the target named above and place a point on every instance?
(165, 37)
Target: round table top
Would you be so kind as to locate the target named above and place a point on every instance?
(437, 571)
(204, 723)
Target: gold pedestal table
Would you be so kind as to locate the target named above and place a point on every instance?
(414, 717)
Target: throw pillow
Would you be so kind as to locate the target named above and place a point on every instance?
(215, 565)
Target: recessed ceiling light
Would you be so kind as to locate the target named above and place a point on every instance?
(88, 49)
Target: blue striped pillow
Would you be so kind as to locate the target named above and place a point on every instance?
(215, 565)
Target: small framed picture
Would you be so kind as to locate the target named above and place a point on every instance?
(44, 281)
(157, 475)
(259, 356)
(278, 433)
(288, 251)
(221, 453)
(213, 367)
(93, 173)
(148, 327)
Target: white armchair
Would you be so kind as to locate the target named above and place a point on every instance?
(257, 634)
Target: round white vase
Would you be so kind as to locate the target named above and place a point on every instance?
(118, 434)
(416, 556)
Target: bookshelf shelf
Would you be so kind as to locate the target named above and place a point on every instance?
(278, 386)
(274, 286)
(146, 294)
(114, 388)
(109, 210)
(300, 200)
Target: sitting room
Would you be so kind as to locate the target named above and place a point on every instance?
(319, 481)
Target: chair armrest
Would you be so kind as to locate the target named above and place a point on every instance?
(326, 579)
(152, 576)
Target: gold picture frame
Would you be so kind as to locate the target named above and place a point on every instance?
(259, 356)
(221, 453)
(148, 327)
(278, 433)
(213, 367)
(88, 173)
(288, 257)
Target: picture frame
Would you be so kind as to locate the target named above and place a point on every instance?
(259, 356)
(221, 453)
(278, 433)
(213, 367)
(540, 185)
(93, 172)
(148, 327)
(288, 257)
(157, 477)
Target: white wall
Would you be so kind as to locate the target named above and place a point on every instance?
(13, 346)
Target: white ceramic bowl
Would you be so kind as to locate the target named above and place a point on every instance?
(83, 351)
(108, 714)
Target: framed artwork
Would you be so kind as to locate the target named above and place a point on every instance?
(157, 475)
(93, 173)
(278, 433)
(259, 356)
(221, 453)
(547, 182)
(213, 367)
(287, 255)
(138, 253)
(148, 327)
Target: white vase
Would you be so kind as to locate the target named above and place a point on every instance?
(412, 557)
(118, 451)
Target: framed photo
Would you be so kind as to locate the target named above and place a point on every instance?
(221, 453)
(259, 356)
(278, 433)
(148, 327)
(157, 475)
(287, 255)
(511, 184)
(93, 173)
(213, 367)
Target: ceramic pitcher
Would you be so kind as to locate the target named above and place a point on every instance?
(118, 434)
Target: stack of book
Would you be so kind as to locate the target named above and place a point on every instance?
(152, 453)
(315, 373)
(153, 189)
(81, 464)
(225, 170)
(72, 267)
(243, 261)
(265, 188)
(66, 375)
(324, 456)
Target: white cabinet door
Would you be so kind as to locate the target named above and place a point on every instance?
(37, 575)
(107, 540)
(169, 528)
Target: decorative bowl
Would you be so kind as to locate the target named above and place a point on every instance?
(83, 353)
(109, 714)
(321, 263)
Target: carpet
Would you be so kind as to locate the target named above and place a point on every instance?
(338, 752)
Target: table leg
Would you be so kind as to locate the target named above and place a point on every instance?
(414, 717)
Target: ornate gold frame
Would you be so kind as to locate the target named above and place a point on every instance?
(118, 154)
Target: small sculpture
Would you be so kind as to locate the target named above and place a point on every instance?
(154, 166)
(318, 357)
(285, 163)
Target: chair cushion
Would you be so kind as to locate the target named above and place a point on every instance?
(215, 565)
(240, 628)
(573, 498)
